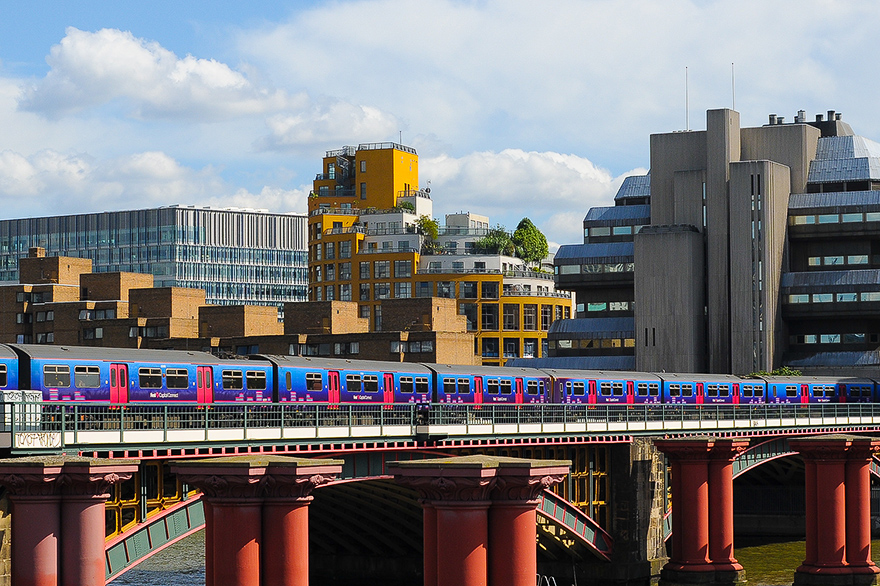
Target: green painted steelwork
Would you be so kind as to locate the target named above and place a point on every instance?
(575, 523)
(160, 531)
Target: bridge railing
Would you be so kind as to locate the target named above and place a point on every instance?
(53, 425)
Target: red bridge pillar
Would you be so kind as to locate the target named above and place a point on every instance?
(837, 510)
(256, 520)
(58, 517)
(702, 510)
(480, 516)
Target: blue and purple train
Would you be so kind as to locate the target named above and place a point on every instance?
(115, 375)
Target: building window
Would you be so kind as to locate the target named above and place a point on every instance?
(363, 190)
(365, 270)
(469, 310)
(446, 289)
(345, 292)
(490, 290)
(402, 269)
(424, 289)
(365, 292)
(511, 348)
(329, 291)
(402, 290)
(382, 269)
(363, 167)
(546, 316)
(511, 316)
(345, 271)
(490, 316)
(364, 311)
(467, 290)
(377, 318)
(530, 317)
(330, 272)
(382, 291)
(490, 347)
(530, 348)
(318, 274)
(345, 250)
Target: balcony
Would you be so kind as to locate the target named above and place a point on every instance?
(346, 151)
(414, 193)
(556, 294)
(335, 212)
(398, 231)
(349, 230)
(381, 146)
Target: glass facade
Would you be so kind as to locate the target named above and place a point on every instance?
(236, 256)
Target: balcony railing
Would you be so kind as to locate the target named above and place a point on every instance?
(556, 294)
(335, 212)
(349, 230)
(381, 146)
(346, 151)
(387, 250)
(414, 193)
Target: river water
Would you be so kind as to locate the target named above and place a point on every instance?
(183, 564)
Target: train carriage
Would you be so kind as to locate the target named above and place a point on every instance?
(711, 389)
(490, 384)
(328, 380)
(819, 389)
(8, 369)
(604, 387)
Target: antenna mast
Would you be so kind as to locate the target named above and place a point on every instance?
(733, 86)
(687, 120)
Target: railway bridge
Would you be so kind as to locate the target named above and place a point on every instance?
(607, 520)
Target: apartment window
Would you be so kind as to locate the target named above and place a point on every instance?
(345, 292)
(382, 269)
(469, 310)
(330, 272)
(511, 348)
(318, 274)
(318, 250)
(323, 191)
(403, 245)
(490, 350)
(402, 269)
(530, 317)
(387, 245)
(458, 266)
(365, 270)
(490, 290)
(363, 167)
(546, 316)
(446, 289)
(365, 292)
(329, 291)
(331, 170)
(382, 290)
(490, 316)
(329, 250)
(479, 266)
(345, 250)
(319, 294)
(363, 190)
(402, 290)
(377, 318)
(364, 311)
(530, 348)
(424, 289)
(345, 271)
(467, 290)
(511, 316)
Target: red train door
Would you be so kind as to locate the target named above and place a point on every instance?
(630, 399)
(805, 394)
(204, 384)
(592, 391)
(333, 388)
(841, 393)
(736, 393)
(388, 392)
(478, 390)
(519, 391)
(700, 396)
(119, 383)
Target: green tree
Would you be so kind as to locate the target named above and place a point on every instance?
(428, 227)
(406, 205)
(531, 244)
(496, 241)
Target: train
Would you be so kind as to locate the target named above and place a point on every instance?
(139, 376)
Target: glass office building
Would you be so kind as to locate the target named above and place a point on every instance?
(237, 256)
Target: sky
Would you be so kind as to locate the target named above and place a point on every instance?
(517, 108)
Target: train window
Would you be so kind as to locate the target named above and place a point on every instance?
(506, 386)
(288, 380)
(724, 391)
(233, 380)
(687, 390)
(353, 383)
(492, 386)
(464, 385)
(150, 378)
(3, 379)
(653, 389)
(642, 389)
(711, 390)
(827, 391)
(406, 384)
(256, 380)
(371, 383)
(422, 385)
(449, 386)
(605, 389)
(618, 389)
(86, 377)
(577, 388)
(314, 382)
(177, 378)
(56, 375)
(791, 391)
(674, 390)
(532, 387)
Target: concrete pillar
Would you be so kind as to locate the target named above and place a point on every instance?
(58, 517)
(484, 510)
(721, 504)
(257, 525)
(838, 510)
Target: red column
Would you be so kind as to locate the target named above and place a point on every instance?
(690, 511)
(858, 506)
(721, 504)
(58, 528)
(462, 543)
(429, 514)
(35, 543)
(257, 524)
(812, 528)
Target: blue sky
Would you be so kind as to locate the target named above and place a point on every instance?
(517, 108)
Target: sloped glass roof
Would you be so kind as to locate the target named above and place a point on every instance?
(591, 253)
(845, 158)
(634, 186)
(618, 213)
(833, 199)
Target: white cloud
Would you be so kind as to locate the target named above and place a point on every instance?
(555, 190)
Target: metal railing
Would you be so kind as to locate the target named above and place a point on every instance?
(41, 426)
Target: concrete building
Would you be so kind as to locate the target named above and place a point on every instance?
(743, 249)
(368, 242)
(236, 256)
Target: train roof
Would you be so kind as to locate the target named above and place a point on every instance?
(599, 374)
(817, 379)
(472, 370)
(699, 377)
(344, 364)
(6, 351)
(49, 351)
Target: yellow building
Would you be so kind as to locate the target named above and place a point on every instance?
(366, 245)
